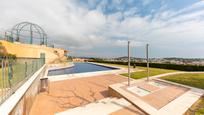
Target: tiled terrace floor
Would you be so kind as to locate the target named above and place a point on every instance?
(159, 97)
(164, 96)
(72, 93)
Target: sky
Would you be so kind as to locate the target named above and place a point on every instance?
(101, 28)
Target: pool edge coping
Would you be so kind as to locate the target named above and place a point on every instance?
(117, 70)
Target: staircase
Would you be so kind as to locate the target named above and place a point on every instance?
(101, 107)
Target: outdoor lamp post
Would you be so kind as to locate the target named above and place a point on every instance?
(128, 63)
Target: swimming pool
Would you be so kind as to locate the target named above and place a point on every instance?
(80, 68)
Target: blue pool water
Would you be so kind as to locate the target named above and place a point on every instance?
(80, 68)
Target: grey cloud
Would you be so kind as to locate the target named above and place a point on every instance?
(78, 28)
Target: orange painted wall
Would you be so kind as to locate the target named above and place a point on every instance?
(32, 51)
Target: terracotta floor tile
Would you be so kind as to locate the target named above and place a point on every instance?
(73, 93)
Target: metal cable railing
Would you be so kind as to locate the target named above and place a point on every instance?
(14, 72)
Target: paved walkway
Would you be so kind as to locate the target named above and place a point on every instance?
(73, 93)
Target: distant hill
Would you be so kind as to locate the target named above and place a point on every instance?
(125, 58)
(170, 60)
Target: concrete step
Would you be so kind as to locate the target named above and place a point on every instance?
(100, 103)
(102, 107)
(105, 100)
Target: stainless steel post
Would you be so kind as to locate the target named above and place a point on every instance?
(147, 56)
(128, 63)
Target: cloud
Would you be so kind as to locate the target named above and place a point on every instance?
(62, 20)
(146, 2)
(123, 43)
(84, 28)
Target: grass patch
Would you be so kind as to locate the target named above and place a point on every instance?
(142, 74)
(152, 72)
(197, 108)
(194, 80)
(200, 110)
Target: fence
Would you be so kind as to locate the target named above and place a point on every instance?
(14, 72)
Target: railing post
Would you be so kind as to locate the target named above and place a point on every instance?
(10, 72)
(2, 81)
(36, 65)
(25, 69)
(4, 71)
(32, 66)
(4, 74)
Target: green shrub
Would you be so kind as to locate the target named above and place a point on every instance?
(158, 65)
